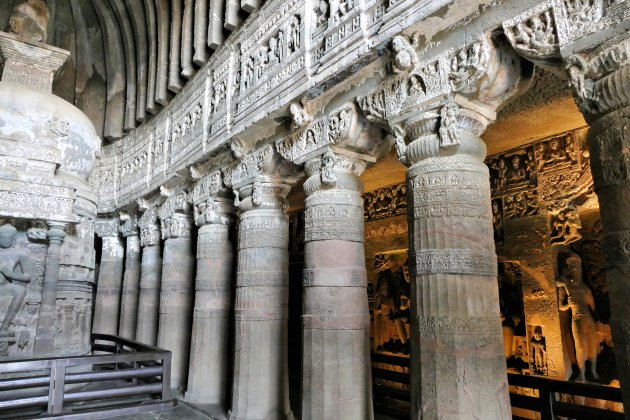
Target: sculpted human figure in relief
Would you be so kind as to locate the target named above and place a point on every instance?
(29, 20)
(577, 296)
(13, 276)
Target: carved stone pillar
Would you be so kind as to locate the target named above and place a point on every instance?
(176, 290)
(45, 338)
(438, 108)
(150, 277)
(336, 315)
(455, 329)
(337, 380)
(107, 306)
(260, 389)
(600, 81)
(131, 278)
(208, 375)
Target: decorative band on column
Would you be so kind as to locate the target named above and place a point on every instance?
(211, 284)
(262, 278)
(465, 326)
(211, 250)
(448, 200)
(213, 313)
(263, 229)
(456, 261)
(328, 320)
(617, 250)
(172, 300)
(458, 164)
(334, 277)
(334, 197)
(330, 222)
(259, 315)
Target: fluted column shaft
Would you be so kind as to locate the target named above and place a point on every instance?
(209, 351)
(456, 341)
(149, 297)
(260, 389)
(107, 306)
(130, 289)
(176, 297)
(150, 278)
(336, 355)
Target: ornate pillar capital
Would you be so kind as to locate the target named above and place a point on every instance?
(345, 128)
(128, 223)
(56, 232)
(335, 148)
(261, 179)
(149, 226)
(211, 200)
(175, 215)
(432, 101)
(107, 226)
(598, 78)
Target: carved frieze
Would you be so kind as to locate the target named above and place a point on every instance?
(546, 177)
(314, 139)
(533, 33)
(456, 261)
(209, 185)
(251, 166)
(386, 202)
(341, 220)
(269, 55)
(186, 127)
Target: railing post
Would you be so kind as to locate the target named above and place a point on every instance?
(135, 380)
(56, 387)
(546, 399)
(166, 377)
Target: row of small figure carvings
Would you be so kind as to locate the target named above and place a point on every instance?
(271, 54)
(549, 177)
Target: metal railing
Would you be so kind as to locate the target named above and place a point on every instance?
(550, 407)
(61, 385)
(552, 402)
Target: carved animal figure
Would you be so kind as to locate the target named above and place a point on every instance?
(29, 20)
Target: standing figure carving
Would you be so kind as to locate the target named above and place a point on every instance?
(538, 351)
(577, 296)
(13, 279)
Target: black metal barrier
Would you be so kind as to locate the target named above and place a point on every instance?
(555, 399)
(60, 386)
(549, 402)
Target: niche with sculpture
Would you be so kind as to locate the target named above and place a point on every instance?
(22, 259)
(391, 300)
(548, 237)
